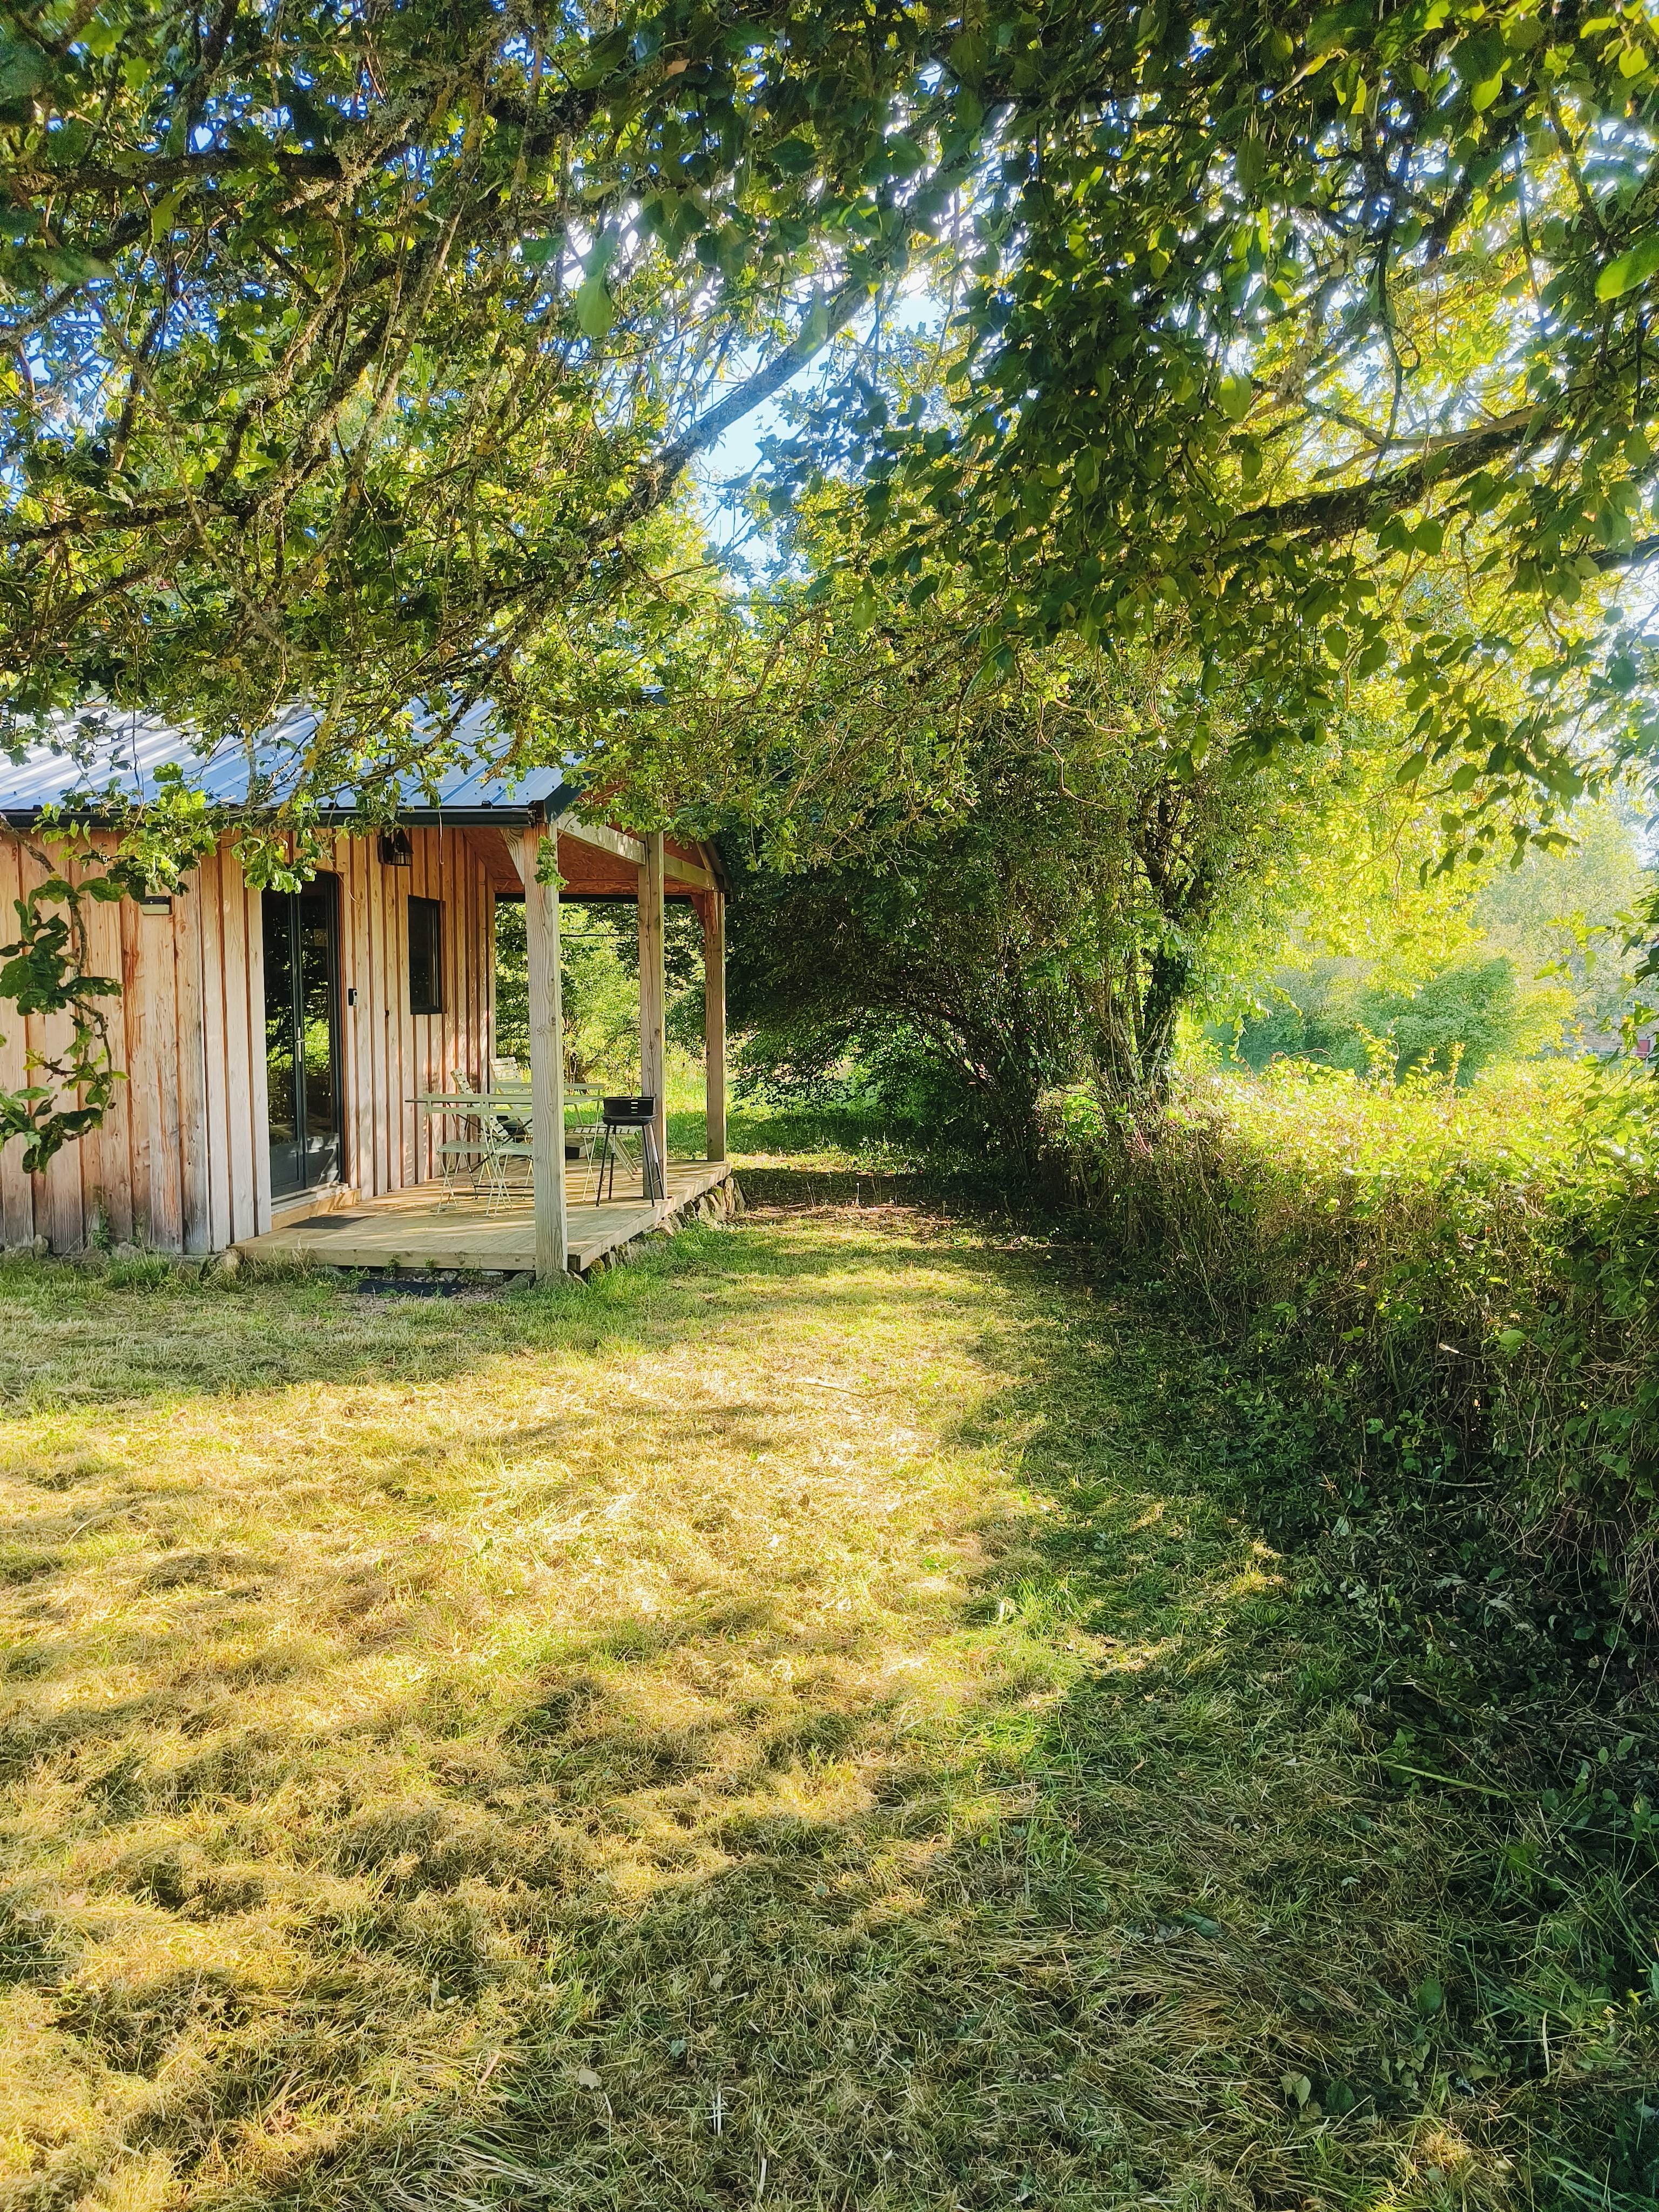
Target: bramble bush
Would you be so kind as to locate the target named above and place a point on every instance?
(1465, 1278)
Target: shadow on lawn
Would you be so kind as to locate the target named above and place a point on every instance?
(1131, 1921)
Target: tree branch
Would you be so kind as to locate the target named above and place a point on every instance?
(1325, 514)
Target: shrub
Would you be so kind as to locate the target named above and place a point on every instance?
(1461, 1275)
(1457, 1022)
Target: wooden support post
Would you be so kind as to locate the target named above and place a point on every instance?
(713, 1022)
(541, 914)
(653, 997)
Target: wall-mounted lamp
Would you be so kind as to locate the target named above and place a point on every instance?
(396, 851)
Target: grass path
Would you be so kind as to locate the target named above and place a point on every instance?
(803, 1723)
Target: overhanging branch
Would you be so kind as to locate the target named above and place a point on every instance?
(1323, 515)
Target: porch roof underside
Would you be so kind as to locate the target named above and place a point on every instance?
(595, 862)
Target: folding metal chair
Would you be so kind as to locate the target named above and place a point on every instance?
(464, 1156)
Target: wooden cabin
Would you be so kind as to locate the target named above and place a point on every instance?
(276, 1044)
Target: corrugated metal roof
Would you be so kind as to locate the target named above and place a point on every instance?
(126, 750)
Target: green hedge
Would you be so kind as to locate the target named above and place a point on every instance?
(1470, 1275)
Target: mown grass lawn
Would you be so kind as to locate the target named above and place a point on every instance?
(807, 1722)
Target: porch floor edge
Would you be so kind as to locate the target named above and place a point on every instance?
(414, 1229)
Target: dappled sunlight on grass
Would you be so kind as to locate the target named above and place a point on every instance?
(800, 1701)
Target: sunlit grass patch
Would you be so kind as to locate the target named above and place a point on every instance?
(799, 1712)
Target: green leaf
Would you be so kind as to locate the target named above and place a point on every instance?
(68, 265)
(1511, 1340)
(538, 251)
(1233, 395)
(1429, 1997)
(23, 73)
(1334, 27)
(596, 310)
(1629, 270)
(1479, 60)
(968, 55)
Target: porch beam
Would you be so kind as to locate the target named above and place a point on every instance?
(686, 872)
(713, 1023)
(618, 842)
(540, 916)
(654, 993)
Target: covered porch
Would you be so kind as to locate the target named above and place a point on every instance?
(535, 847)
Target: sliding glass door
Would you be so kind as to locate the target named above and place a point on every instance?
(302, 1035)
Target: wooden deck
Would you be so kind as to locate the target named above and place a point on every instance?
(415, 1229)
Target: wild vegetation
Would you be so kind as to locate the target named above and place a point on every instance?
(1468, 1276)
(599, 956)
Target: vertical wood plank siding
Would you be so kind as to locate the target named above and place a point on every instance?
(193, 1124)
(182, 1160)
(214, 1053)
(16, 1198)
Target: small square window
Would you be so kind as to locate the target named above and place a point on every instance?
(426, 950)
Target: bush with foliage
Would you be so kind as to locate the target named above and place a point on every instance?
(1051, 929)
(1469, 1278)
(1461, 1018)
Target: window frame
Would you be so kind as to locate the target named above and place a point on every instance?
(434, 910)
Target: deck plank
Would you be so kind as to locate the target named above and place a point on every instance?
(414, 1229)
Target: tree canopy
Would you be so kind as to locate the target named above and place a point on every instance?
(348, 348)
(359, 354)
(1297, 329)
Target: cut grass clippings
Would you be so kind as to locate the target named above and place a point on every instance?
(796, 1723)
